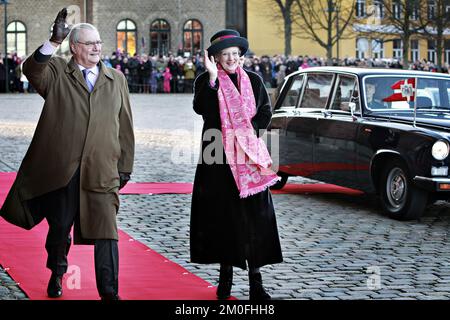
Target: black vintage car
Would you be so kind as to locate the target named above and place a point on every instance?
(377, 130)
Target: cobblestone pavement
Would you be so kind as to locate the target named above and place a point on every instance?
(334, 246)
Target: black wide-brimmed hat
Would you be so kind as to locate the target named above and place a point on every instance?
(225, 39)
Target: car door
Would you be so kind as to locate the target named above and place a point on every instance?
(335, 134)
(301, 123)
(278, 143)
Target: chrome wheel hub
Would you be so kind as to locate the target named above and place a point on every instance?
(396, 188)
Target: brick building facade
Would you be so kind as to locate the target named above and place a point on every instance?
(142, 26)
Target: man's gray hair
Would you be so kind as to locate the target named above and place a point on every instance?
(75, 32)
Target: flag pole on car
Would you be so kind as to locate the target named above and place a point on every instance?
(416, 85)
(408, 90)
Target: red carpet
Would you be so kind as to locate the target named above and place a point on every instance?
(316, 188)
(186, 188)
(6, 181)
(307, 169)
(156, 188)
(143, 273)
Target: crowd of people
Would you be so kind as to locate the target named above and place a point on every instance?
(176, 74)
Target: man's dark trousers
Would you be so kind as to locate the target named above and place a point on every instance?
(61, 207)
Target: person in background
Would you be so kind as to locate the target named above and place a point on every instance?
(167, 77)
(189, 75)
(153, 81)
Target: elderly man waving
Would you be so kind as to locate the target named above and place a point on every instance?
(81, 154)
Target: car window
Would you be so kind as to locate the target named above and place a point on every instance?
(293, 93)
(428, 93)
(317, 91)
(346, 92)
(384, 93)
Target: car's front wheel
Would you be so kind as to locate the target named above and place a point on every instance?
(399, 197)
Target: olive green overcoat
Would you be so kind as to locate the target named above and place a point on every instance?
(93, 131)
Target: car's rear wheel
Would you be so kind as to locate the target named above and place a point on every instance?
(399, 197)
(281, 183)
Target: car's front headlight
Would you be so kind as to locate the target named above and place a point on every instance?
(440, 150)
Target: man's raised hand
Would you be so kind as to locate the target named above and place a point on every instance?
(60, 31)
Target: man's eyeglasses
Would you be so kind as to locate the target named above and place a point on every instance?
(91, 43)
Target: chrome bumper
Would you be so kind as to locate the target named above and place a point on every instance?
(432, 184)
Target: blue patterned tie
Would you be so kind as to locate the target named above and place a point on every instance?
(89, 85)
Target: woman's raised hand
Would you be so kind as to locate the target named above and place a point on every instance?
(211, 67)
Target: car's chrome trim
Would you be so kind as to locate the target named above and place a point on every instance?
(399, 75)
(386, 151)
(436, 180)
(431, 184)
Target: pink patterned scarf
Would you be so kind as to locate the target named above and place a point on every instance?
(246, 154)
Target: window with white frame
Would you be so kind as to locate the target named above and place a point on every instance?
(415, 50)
(396, 9)
(431, 9)
(192, 37)
(362, 46)
(379, 8)
(16, 38)
(126, 36)
(415, 10)
(377, 49)
(159, 37)
(397, 49)
(360, 8)
(431, 52)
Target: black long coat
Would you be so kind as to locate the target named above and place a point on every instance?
(225, 228)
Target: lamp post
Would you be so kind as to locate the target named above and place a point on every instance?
(333, 7)
(337, 32)
(5, 2)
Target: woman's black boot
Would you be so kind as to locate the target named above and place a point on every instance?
(225, 282)
(257, 291)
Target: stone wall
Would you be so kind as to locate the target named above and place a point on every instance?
(38, 16)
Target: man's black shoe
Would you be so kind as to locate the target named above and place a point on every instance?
(54, 288)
